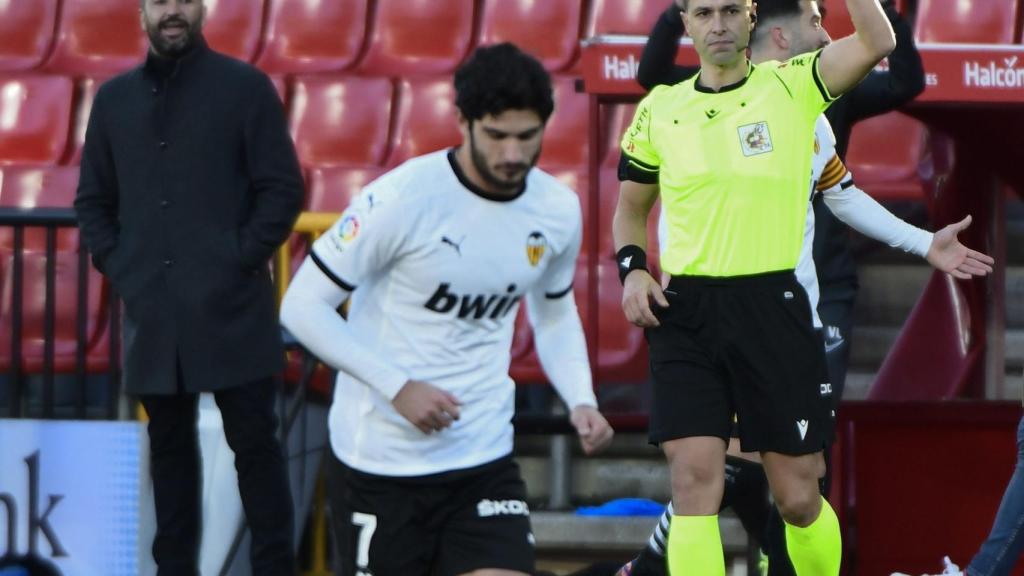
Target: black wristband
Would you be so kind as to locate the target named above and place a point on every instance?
(630, 257)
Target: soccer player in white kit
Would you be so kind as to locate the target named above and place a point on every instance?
(435, 258)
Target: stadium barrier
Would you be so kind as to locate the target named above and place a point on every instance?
(79, 395)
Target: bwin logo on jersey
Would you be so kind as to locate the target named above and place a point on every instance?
(487, 508)
(536, 244)
(474, 306)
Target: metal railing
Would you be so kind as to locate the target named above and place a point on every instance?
(18, 379)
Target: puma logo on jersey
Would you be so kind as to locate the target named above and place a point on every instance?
(486, 508)
(457, 246)
(475, 306)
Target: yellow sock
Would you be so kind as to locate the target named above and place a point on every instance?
(816, 550)
(695, 547)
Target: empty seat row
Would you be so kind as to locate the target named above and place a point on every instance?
(396, 37)
(368, 124)
(370, 121)
(335, 121)
(393, 37)
(963, 22)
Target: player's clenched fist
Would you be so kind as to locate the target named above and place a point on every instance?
(428, 407)
(594, 431)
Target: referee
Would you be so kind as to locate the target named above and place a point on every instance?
(729, 153)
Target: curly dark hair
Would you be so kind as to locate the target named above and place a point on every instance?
(499, 78)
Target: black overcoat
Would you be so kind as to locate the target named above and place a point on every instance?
(189, 182)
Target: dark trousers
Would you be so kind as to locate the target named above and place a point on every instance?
(249, 425)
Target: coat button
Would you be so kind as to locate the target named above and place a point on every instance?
(163, 144)
(165, 203)
(168, 263)
(155, 90)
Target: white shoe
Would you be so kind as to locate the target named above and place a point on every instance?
(948, 569)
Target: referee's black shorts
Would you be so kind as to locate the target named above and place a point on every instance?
(745, 346)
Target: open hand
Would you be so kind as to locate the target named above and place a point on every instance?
(947, 253)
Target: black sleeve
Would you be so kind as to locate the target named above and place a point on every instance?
(657, 64)
(275, 177)
(631, 169)
(96, 200)
(882, 92)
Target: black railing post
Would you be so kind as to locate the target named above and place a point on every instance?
(17, 386)
(49, 320)
(53, 219)
(80, 330)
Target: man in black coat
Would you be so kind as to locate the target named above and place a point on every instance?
(189, 182)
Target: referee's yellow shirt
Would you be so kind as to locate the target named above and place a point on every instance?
(734, 167)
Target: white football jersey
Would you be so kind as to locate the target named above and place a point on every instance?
(827, 172)
(441, 269)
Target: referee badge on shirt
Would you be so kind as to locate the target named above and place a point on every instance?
(755, 139)
(536, 244)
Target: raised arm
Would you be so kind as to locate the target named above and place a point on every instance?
(657, 64)
(845, 62)
(881, 92)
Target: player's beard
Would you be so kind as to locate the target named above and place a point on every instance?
(173, 48)
(491, 177)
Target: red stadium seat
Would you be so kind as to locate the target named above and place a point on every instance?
(341, 121)
(234, 27)
(973, 22)
(304, 36)
(549, 30)
(576, 179)
(35, 113)
(885, 154)
(28, 187)
(418, 37)
(26, 30)
(97, 37)
(621, 349)
(426, 120)
(33, 187)
(565, 141)
(66, 308)
(332, 189)
(87, 89)
(634, 17)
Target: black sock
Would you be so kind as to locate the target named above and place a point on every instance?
(775, 546)
(650, 563)
(746, 491)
